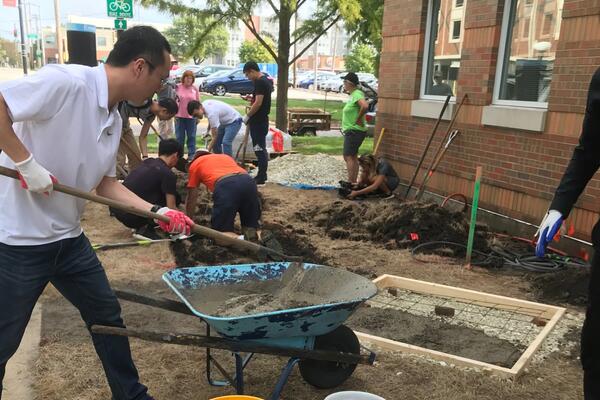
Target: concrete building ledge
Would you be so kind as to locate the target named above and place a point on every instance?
(431, 109)
(529, 119)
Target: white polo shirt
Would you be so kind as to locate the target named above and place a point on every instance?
(61, 115)
(219, 113)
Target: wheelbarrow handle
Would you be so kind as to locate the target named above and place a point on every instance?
(199, 229)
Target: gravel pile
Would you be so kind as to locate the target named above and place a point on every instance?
(315, 170)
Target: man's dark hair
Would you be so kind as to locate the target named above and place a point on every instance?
(169, 104)
(139, 42)
(167, 147)
(251, 66)
(193, 106)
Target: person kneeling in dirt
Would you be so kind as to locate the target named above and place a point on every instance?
(378, 178)
(234, 191)
(154, 182)
(164, 109)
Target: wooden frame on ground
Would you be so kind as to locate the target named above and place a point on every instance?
(549, 314)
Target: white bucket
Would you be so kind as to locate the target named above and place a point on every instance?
(353, 396)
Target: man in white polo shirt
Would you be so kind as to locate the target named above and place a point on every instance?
(63, 122)
(224, 120)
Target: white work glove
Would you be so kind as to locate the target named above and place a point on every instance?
(549, 226)
(34, 177)
(245, 119)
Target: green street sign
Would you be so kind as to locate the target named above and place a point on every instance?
(32, 36)
(120, 24)
(119, 8)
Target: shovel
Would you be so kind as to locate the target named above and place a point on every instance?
(261, 251)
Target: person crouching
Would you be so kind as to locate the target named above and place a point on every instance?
(377, 178)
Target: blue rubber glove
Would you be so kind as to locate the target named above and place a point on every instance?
(547, 230)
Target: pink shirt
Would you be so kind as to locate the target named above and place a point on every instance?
(185, 94)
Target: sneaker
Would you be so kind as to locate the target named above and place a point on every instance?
(146, 233)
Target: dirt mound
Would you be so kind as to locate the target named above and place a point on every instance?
(395, 224)
(202, 251)
(569, 285)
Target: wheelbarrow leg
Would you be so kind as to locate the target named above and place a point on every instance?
(285, 374)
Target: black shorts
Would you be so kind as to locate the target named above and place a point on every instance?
(352, 142)
(233, 194)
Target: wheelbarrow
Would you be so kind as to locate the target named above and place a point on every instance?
(309, 331)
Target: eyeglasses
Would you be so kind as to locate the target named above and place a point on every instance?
(152, 67)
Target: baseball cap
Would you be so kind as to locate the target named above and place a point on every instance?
(351, 77)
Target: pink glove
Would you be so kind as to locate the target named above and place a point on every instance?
(179, 222)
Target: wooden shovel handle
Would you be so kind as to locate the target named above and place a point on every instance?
(199, 229)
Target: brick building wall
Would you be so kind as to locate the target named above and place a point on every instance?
(521, 168)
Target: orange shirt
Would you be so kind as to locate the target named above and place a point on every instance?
(209, 168)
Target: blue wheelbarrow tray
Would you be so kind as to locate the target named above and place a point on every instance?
(248, 301)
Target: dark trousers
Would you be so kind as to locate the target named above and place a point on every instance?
(131, 220)
(590, 334)
(186, 128)
(258, 133)
(73, 268)
(235, 194)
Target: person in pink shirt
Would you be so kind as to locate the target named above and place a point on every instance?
(185, 124)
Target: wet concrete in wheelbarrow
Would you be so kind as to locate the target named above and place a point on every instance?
(297, 287)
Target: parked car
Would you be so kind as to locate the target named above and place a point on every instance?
(219, 74)
(234, 82)
(309, 81)
(334, 84)
(372, 97)
(199, 71)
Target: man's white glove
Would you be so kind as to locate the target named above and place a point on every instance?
(245, 119)
(34, 177)
(547, 230)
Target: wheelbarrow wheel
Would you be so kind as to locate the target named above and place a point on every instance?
(329, 374)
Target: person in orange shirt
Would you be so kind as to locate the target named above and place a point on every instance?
(234, 191)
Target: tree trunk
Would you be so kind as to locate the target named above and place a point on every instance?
(283, 53)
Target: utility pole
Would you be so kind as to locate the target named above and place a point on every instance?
(335, 32)
(59, 41)
(23, 48)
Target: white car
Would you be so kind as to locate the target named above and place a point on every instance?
(334, 84)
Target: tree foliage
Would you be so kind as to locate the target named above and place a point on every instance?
(367, 30)
(252, 50)
(188, 39)
(360, 59)
(320, 15)
(9, 50)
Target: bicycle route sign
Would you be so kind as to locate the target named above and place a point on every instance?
(119, 8)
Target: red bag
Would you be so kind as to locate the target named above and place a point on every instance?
(277, 140)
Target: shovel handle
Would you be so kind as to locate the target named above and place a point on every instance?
(199, 229)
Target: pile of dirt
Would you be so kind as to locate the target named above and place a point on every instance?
(569, 285)
(392, 223)
(433, 334)
(202, 251)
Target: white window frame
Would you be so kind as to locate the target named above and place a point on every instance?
(500, 64)
(451, 39)
(462, 5)
(424, 75)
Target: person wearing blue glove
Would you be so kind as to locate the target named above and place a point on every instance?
(582, 167)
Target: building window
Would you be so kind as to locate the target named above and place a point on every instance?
(100, 41)
(526, 61)
(459, 3)
(456, 30)
(443, 42)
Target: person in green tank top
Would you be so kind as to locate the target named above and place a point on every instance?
(353, 124)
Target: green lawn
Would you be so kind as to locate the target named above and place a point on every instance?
(332, 106)
(326, 145)
(301, 144)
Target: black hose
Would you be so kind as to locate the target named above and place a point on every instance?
(499, 257)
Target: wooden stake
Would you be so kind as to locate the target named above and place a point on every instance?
(474, 206)
(378, 141)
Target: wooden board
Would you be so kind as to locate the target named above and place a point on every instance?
(551, 314)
